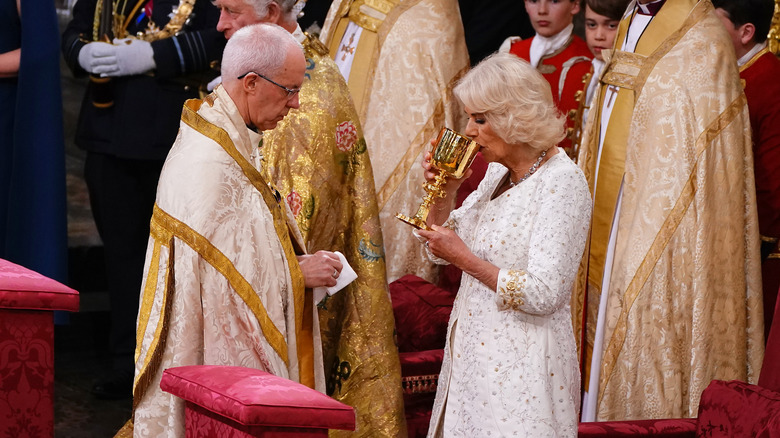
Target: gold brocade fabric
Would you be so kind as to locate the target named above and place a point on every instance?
(318, 160)
(684, 299)
(773, 39)
(402, 79)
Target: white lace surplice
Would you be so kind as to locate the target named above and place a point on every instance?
(510, 364)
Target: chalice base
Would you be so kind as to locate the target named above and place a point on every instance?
(414, 221)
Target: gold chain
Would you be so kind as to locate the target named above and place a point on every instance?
(180, 16)
(152, 33)
(96, 21)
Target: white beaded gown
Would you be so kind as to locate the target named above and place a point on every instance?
(510, 363)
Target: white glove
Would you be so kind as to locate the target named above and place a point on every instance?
(95, 55)
(126, 57)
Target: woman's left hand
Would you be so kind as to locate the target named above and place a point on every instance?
(446, 244)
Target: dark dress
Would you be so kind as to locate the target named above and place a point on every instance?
(33, 230)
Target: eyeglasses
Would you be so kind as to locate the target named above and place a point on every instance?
(290, 91)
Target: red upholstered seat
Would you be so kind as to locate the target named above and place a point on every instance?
(21, 288)
(738, 410)
(422, 312)
(27, 300)
(674, 428)
(237, 401)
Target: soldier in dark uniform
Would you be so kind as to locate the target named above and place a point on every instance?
(127, 124)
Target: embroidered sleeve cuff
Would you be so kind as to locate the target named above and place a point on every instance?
(511, 289)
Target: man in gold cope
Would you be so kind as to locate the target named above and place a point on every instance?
(401, 60)
(672, 270)
(225, 280)
(317, 158)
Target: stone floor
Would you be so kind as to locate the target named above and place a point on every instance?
(79, 357)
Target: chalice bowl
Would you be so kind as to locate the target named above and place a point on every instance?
(452, 155)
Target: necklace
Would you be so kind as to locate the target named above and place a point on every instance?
(534, 167)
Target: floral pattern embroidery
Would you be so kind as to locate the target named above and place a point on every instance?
(295, 202)
(346, 136)
(513, 294)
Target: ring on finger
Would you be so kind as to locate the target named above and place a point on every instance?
(335, 273)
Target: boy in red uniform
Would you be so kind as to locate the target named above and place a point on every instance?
(560, 56)
(748, 21)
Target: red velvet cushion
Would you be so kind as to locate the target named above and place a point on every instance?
(421, 311)
(670, 428)
(421, 363)
(21, 288)
(254, 397)
(737, 409)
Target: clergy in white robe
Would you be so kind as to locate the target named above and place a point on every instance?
(225, 283)
(672, 268)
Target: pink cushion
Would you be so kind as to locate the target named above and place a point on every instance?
(254, 397)
(21, 288)
(737, 409)
(669, 428)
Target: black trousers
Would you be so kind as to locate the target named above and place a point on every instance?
(122, 194)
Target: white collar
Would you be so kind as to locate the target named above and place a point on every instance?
(750, 54)
(541, 45)
(298, 34)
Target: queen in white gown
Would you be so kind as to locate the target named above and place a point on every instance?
(510, 363)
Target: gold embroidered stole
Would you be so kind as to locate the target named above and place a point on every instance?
(629, 71)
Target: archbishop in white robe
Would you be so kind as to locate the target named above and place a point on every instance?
(222, 285)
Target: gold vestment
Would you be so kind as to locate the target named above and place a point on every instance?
(406, 63)
(317, 158)
(684, 299)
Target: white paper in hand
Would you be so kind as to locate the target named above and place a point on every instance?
(346, 277)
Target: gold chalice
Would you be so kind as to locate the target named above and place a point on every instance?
(452, 155)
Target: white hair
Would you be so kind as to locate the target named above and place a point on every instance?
(515, 99)
(261, 48)
(288, 11)
(261, 8)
